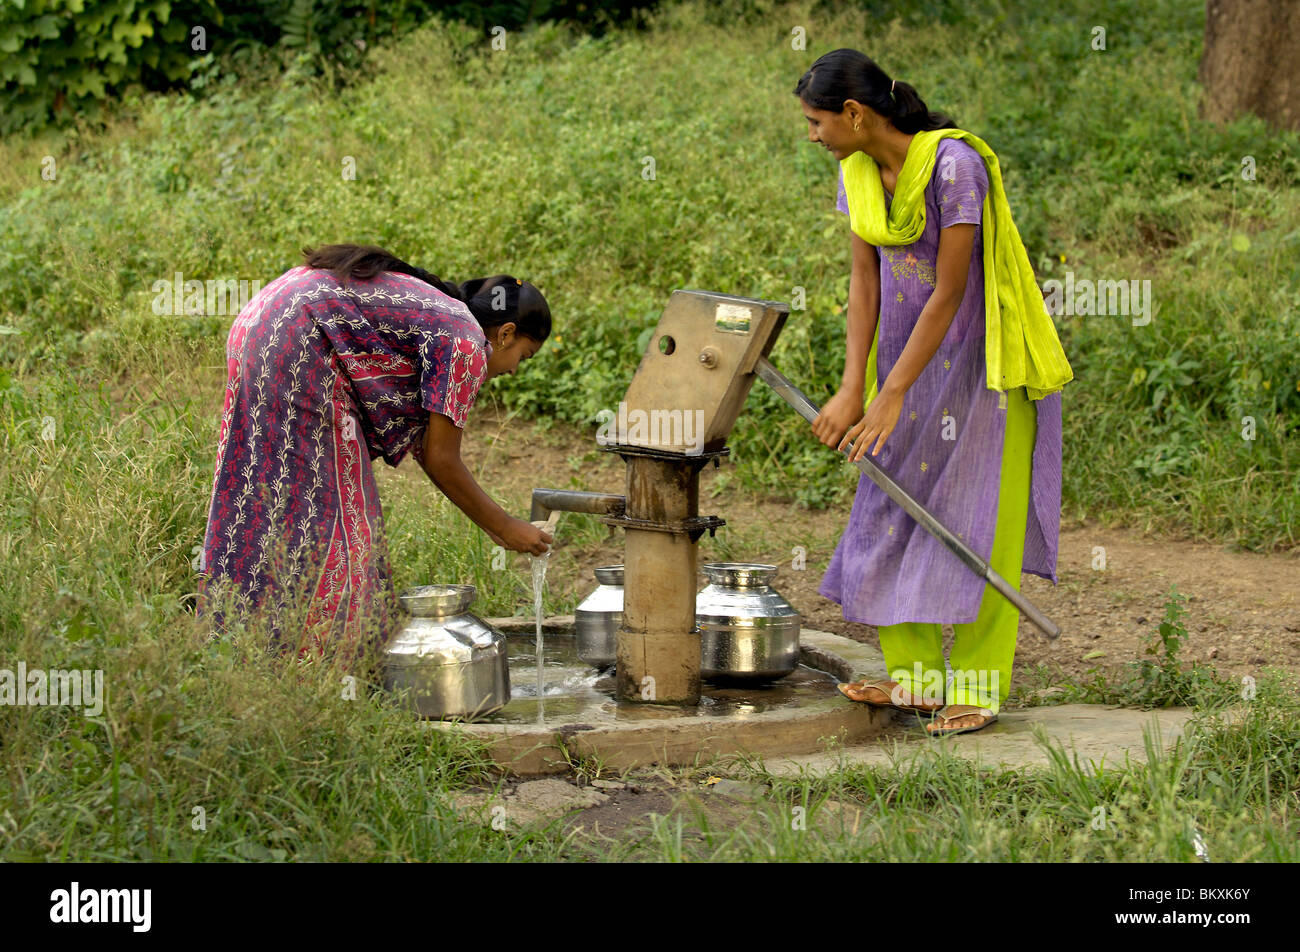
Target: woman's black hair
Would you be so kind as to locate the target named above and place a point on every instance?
(493, 301)
(848, 74)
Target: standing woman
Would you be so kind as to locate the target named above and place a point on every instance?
(352, 356)
(952, 353)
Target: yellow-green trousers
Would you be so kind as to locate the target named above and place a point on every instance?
(982, 650)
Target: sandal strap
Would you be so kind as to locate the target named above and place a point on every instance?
(860, 687)
(880, 684)
(982, 712)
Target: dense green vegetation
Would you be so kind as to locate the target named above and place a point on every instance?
(67, 59)
(531, 161)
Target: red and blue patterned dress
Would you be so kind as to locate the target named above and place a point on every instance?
(322, 379)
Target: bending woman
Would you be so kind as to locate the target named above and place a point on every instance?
(352, 356)
(950, 348)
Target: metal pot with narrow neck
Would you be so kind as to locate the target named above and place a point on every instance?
(748, 632)
(597, 620)
(451, 661)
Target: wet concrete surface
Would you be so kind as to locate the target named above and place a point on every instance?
(579, 717)
(573, 692)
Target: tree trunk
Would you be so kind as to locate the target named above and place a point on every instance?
(1251, 61)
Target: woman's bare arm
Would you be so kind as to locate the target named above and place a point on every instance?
(444, 466)
(956, 243)
(845, 408)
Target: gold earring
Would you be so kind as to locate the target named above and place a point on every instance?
(855, 127)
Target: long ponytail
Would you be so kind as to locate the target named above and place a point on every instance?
(493, 301)
(363, 262)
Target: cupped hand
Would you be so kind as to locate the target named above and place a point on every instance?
(841, 412)
(520, 536)
(875, 426)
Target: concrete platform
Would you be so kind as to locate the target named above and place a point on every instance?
(1100, 737)
(824, 735)
(534, 750)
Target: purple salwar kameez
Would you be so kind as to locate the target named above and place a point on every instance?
(946, 450)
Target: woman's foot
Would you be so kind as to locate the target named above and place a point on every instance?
(884, 693)
(960, 719)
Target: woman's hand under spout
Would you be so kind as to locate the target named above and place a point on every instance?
(444, 466)
(521, 536)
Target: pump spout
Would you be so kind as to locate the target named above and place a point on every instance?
(546, 501)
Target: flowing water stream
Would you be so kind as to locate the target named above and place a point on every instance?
(539, 583)
(539, 563)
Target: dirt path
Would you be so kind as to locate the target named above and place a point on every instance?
(1243, 609)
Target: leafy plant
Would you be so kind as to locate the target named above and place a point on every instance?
(1162, 680)
(62, 57)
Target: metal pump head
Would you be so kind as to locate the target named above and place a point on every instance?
(696, 372)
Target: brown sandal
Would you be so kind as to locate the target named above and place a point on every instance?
(937, 728)
(884, 696)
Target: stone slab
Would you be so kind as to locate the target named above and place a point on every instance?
(530, 802)
(1101, 737)
(824, 735)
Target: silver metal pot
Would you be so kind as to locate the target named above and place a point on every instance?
(748, 632)
(452, 662)
(598, 618)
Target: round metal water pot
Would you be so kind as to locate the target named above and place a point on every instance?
(598, 618)
(748, 632)
(452, 662)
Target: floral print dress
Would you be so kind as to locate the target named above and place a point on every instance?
(322, 379)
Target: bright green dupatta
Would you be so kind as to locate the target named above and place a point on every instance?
(1021, 348)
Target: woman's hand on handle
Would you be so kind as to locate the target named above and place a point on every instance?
(841, 412)
(844, 409)
(874, 428)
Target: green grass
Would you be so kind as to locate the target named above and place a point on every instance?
(531, 162)
(1228, 792)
